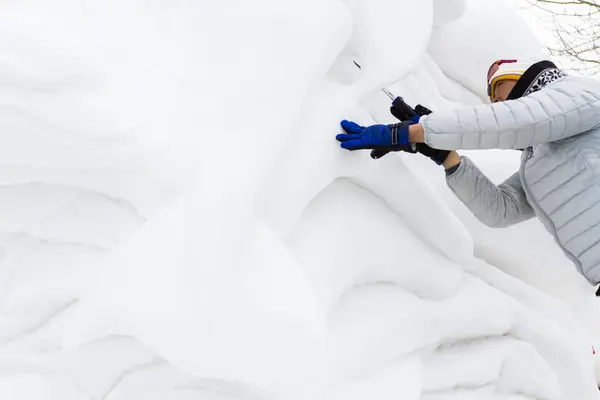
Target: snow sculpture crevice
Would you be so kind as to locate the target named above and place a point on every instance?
(22, 334)
(127, 373)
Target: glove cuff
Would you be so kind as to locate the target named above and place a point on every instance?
(399, 131)
(440, 156)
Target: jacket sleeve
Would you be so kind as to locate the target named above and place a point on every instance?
(564, 108)
(495, 206)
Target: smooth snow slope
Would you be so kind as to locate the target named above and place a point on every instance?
(179, 222)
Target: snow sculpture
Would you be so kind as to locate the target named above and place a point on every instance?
(179, 222)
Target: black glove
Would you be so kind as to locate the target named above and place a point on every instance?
(438, 156)
(401, 110)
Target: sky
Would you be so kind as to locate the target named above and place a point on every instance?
(543, 27)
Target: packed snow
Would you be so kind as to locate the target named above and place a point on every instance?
(178, 221)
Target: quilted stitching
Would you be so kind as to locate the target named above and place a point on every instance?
(449, 131)
(560, 185)
(556, 115)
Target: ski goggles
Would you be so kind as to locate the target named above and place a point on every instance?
(492, 70)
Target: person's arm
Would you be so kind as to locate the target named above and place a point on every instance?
(495, 206)
(564, 108)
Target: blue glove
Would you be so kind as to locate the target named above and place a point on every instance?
(384, 137)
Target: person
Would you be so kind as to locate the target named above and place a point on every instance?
(553, 118)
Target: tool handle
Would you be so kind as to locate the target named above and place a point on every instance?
(422, 110)
(401, 110)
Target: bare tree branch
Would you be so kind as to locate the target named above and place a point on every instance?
(576, 30)
(573, 2)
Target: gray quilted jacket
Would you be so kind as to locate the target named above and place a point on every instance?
(559, 177)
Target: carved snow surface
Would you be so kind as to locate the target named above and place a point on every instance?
(178, 222)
